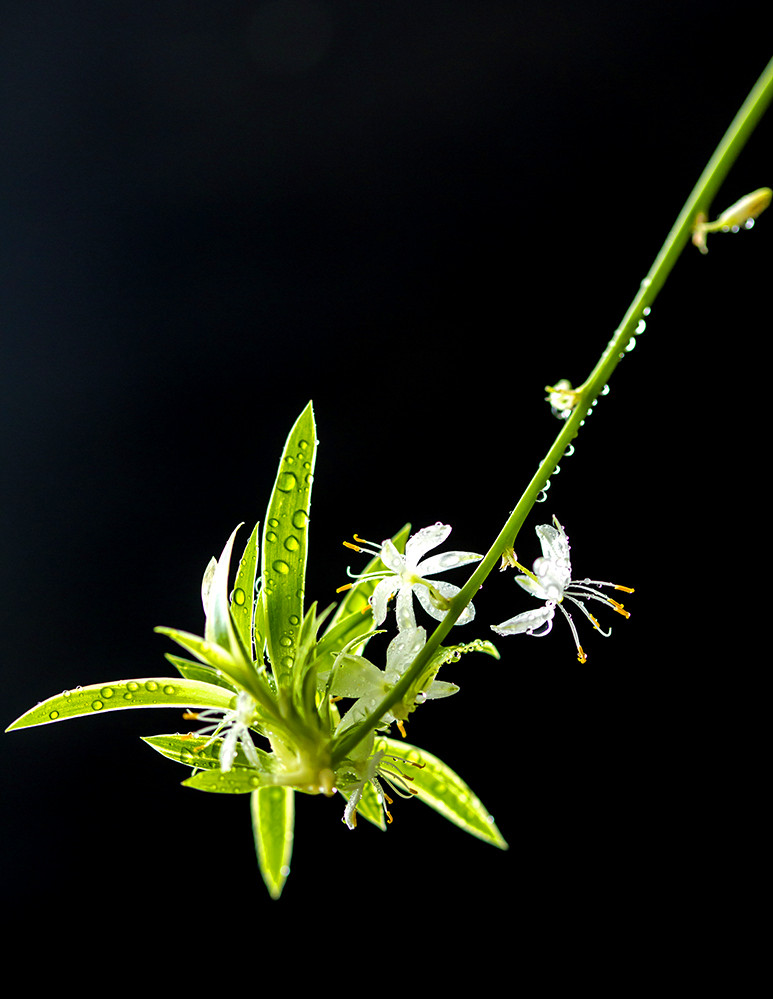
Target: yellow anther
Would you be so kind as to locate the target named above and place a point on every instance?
(401, 726)
(191, 715)
(595, 623)
(346, 586)
(581, 657)
(388, 817)
(625, 589)
(354, 548)
(619, 608)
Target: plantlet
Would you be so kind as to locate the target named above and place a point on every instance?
(286, 697)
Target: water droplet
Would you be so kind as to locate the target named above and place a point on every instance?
(53, 715)
(294, 620)
(300, 519)
(569, 451)
(303, 445)
(605, 390)
(270, 536)
(630, 345)
(286, 482)
(641, 326)
(106, 692)
(646, 312)
(239, 597)
(273, 522)
(97, 705)
(169, 689)
(151, 685)
(281, 567)
(749, 224)
(132, 685)
(292, 544)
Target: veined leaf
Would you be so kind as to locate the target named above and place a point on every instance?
(442, 789)
(273, 823)
(285, 537)
(151, 692)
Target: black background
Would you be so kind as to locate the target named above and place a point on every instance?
(416, 214)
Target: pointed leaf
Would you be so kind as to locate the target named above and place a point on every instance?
(236, 668)
(273, 823)
(151, 692)
(203, 752)
(243, 595)
(228, 782)
(198, 671)
(220, 629)
(442, 789)
(285, 537)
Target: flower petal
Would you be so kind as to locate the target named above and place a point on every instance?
(402, 650)
(448, 560)
(447, 590)
(357, 677)
(554, 543)
(391, 557)
(424, 540)
(528, 622)
(380, 597)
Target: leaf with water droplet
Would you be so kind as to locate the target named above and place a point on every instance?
(284, 548)
(203, 753)
(243, 596)
(438, 786)
(273, 824)
(152, 692)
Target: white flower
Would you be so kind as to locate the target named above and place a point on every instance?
(236, 726)
(376, 768)
(355, 676)
(406, 575)
(552, 582)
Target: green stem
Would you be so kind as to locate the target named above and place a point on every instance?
(699, 200)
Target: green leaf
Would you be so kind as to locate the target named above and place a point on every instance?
(198, 671)
(243, 594)
(152, 692)
(442, 789)
(273, 822)
(285, 538)
(236, 668)
(231, 782)
(202, 752)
